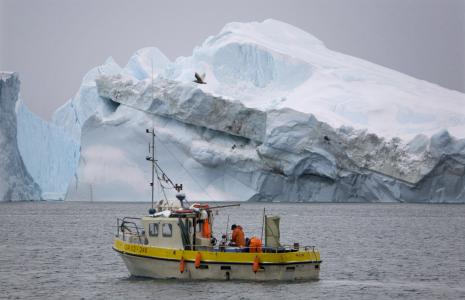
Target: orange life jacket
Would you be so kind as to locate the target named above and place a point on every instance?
(255, 245)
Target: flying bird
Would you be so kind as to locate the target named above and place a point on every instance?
(200, 79)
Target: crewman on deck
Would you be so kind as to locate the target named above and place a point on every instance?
(255, 245)
(206, 229)
(237, 238)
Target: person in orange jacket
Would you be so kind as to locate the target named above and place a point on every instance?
(237, 238)
(255, 245)
(206, 229)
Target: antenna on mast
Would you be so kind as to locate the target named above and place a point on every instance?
(152, 77)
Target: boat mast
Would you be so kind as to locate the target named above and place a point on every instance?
(153, 163)
(162, 175)
(152, 159)
(153, 143)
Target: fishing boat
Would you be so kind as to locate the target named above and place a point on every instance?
(176, 240)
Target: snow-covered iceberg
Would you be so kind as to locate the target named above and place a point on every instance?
(15, 181)
(281, 118)
(272, 65)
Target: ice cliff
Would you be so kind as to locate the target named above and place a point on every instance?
(281, 118)
(51, 150)
(15, 181)
(50, 153)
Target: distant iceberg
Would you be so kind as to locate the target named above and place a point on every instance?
(49, 152)
(15, 181)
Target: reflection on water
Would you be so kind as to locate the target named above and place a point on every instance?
(63, 250)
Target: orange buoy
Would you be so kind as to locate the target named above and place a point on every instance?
(198, 259)
(256, 264)
(182, 265)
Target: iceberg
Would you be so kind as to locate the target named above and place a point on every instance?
(281, 118)
(299, 158)
(15, 181)
(49, 152)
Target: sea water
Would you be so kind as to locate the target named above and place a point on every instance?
(62, 250)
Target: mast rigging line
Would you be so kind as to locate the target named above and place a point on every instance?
(164, 177)
(182, 166)
(160, 184)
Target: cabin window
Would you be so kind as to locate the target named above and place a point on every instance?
(153, 229)
(167, 230)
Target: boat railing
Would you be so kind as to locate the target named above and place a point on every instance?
(265, 249)
(127, 227)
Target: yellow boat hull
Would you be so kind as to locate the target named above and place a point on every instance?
(161, 263)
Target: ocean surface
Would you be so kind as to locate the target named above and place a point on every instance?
(62, 250)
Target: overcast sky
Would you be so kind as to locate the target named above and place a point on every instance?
(53, 43)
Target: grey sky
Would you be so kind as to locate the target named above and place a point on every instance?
(53, 43)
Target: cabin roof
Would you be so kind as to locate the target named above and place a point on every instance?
(170, 218)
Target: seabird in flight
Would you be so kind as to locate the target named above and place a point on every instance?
(200, 79)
